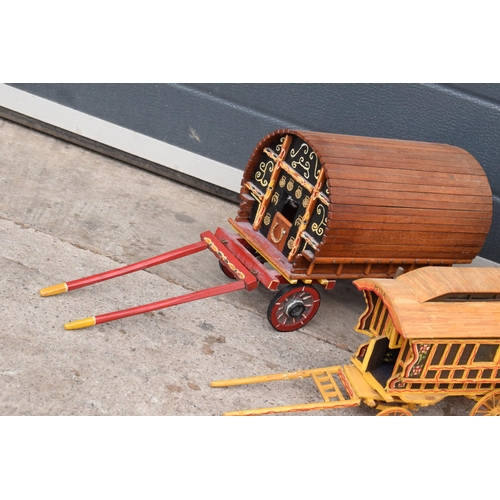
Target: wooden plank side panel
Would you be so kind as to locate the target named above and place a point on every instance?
(330, 247)
(397, 251)
(377, 142)
(404, 214)
(377, 170)
(455, 226)
(408, 237)
(394, 159)
(427, 161)
(351, 197)
(349, 271)
(384, 194)
(405, 184)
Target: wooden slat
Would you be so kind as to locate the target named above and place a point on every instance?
(424, 251)
(332, 154)
(350, 198)
(359, 220)
(364, 261)
(388, 185)
(364, 225)
(337, 210)
(405, 237)
(383, 192)
(376, 142)
(369, 170)
(410, 161)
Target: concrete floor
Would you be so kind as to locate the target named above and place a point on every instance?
(65, 213)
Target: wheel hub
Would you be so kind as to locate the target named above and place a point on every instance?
(295, 308)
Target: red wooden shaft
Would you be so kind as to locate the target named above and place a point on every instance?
(162, 304)
(138, 266)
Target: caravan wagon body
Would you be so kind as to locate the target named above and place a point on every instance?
(328, 206)
(434, 333)
(317, 207)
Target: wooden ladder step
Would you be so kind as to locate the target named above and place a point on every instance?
(327, 386)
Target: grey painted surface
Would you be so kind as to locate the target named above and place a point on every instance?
(225, 121)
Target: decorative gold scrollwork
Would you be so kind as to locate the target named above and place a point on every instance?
(304, 163)
(279, 146)
(260, 174)
(318, 228)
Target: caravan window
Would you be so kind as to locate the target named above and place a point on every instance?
(485, 353)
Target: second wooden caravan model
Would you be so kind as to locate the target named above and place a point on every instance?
(434, 333)
(318, 207)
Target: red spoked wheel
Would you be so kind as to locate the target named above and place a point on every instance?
(293, 307)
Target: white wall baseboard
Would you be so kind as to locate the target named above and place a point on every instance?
(121, 138)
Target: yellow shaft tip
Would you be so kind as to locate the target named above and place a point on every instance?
(54, 290)
(80, 323)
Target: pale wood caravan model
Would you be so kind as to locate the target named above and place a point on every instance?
(434, 333)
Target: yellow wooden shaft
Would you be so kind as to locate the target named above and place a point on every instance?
(271, 378)
(54, 290)
(258, 379)
(293, 408)
(80, 323)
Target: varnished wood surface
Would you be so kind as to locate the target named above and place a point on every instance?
(430, 283)
(394, 198)
(415, 315)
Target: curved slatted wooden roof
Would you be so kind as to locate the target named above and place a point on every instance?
(402, 197)
(410, 299)
(397, 199)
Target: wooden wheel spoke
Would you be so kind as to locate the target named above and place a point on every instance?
(488, 405)
(293, 307)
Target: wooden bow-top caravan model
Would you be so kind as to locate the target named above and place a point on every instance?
(326, 206)
(434, 332)
(317, 207)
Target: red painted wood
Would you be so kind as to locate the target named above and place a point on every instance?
(173, 301)
(138, 266)
(268, 277)
(223, 254)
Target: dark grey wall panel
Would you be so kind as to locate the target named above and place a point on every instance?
(484, 91)
(225, 121)
(175, 114)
